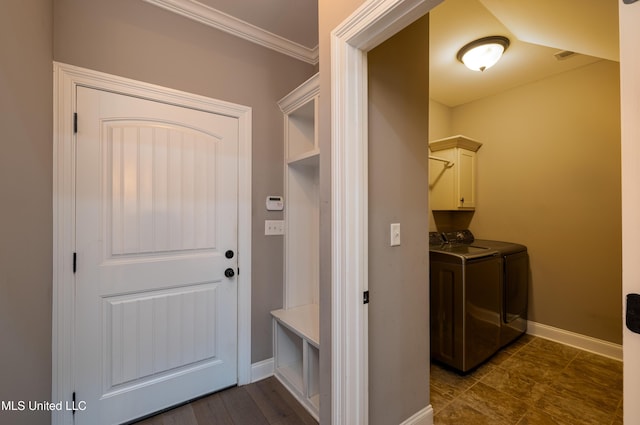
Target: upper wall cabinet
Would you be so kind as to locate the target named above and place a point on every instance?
(452, 173)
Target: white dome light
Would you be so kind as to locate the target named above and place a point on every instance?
(483, 53)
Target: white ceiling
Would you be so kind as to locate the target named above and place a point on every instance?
(537, 29)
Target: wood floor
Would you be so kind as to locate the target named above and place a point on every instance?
(265, 402)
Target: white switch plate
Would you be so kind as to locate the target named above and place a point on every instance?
(395, 234)
(273, 227)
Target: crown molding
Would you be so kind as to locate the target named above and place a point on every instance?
(207, 15)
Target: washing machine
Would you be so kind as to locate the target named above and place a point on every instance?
(465, 302)
(514, 281)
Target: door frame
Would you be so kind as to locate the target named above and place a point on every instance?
(66, 79)
(371, 24)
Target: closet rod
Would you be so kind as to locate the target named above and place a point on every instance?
(446, 161)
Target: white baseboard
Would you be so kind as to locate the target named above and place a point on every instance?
(583, 342)
(423, 417)
(262, 370)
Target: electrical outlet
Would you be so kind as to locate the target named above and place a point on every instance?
(273, 227)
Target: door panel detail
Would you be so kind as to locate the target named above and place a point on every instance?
(167, 331)
(162, 187)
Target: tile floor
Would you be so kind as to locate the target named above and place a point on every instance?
(533, 381)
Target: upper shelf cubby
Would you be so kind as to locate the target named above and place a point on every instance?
(300, 117)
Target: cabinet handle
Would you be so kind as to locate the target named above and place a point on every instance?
(462, 200)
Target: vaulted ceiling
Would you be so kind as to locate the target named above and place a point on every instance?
(537, 29)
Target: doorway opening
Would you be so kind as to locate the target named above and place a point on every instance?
(351, 41)
(549, 166)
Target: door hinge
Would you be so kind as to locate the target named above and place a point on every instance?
(75, 122)
(365, 297)
(75, 263)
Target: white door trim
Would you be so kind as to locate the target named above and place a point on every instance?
(630, 155)
(66, 79)
(371, 24)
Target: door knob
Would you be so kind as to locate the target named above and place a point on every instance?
(229, 272)
(229, 254)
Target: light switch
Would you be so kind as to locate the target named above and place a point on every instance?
(273, 227)
(395, 234)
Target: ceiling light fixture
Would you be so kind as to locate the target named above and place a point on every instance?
(483, 53)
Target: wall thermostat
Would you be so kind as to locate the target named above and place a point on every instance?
(275, 203)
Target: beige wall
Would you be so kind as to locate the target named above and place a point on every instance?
(137, 40)
(439, 121)
(549, 177)
(26, 87)
(398, 276)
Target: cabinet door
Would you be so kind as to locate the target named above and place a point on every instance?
(442, 182)
(466, 196)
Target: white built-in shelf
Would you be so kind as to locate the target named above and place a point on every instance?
(292, 374)
(296, 327)
(315, 401)
(297, 354)
(308, 158)
(304, 321)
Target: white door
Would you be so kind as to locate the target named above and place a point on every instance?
(630, 95)
(156, 212)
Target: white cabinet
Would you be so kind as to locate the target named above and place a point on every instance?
(452, 173)
(296, 325)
